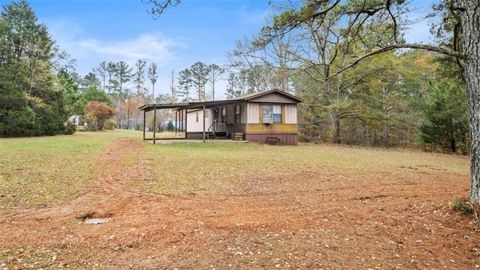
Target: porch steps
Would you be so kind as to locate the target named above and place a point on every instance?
(237, 136)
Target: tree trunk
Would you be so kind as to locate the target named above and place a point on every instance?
(470, 18)
(336, 126)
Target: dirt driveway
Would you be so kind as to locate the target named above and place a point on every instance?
(345, 224)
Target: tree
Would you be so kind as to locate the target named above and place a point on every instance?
(153, 76)
(185, 83)
(102, 73)
(199, 78)
(112, 83)
(214, 71)
(140, 76)
(93, 94)
(31, 103)
(232, 86)
(97, 113)
(123, 74)
(173, 88)
(446, 122)
(90, 80)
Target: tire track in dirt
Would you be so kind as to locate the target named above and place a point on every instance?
(107, 185)
(346, 225)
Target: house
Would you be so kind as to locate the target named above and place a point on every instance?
(265, 117)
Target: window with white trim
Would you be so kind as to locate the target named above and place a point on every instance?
(272, 114)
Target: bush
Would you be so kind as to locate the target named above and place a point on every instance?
(110, 124)
(459, 205)
(97, 114)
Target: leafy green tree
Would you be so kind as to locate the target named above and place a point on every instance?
(93, 94)
(185, 83)
(199, 78)
(446, 117)
(31, 104)
(90, 80)
(232, 86)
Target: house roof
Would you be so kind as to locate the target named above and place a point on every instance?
(199, 104)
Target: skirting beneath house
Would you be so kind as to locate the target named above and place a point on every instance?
(281, 139)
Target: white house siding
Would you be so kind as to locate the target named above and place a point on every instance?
(252, 113)
(290, 114)
(193, 125)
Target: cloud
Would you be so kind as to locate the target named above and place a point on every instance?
(89, 51)
(150, 47)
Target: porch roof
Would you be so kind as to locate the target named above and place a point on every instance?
(209, 104)
(188, 105)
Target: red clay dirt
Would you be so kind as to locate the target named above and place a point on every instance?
(353, 223)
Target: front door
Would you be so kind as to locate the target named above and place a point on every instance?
(220, 117)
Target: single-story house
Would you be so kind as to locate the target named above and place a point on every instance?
(266, 117)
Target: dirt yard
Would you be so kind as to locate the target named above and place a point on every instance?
(245, 206)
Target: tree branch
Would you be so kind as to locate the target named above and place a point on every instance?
(425, 47)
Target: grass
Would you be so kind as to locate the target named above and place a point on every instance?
(41, 170)
(226, 168)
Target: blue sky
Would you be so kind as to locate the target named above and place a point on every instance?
(196, 30)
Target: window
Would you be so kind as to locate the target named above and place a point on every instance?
(277, 114)
(272, 114)
(237, 114)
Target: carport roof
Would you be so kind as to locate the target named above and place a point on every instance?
(207, 104)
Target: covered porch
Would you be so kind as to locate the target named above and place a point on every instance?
(199, 121)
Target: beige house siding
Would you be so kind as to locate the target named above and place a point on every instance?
(253, 113)
(290, 114)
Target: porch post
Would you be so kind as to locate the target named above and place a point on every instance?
(176, 124)
(154, 123)
(186, 119)
(180, 120)
(204, 123)
(144, 122)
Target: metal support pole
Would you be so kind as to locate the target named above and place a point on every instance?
(186, 118)
(176, 124)
(154, 123)
(181, 120)
(204, 123)
(144, 123)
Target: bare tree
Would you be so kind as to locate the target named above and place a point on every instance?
(214, 71)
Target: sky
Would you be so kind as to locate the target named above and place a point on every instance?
(196, 30)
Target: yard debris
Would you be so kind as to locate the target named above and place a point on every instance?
(96, 221)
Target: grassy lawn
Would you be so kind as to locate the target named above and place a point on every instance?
(35, 172)
(230, 205)
(227, 168)
(43, 170)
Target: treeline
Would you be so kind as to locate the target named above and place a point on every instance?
(405, 98)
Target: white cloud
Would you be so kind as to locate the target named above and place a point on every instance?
(89, 51)
(149, 47)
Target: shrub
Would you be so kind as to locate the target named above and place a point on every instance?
(110, 124)
(459, 205)
(97, 114)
